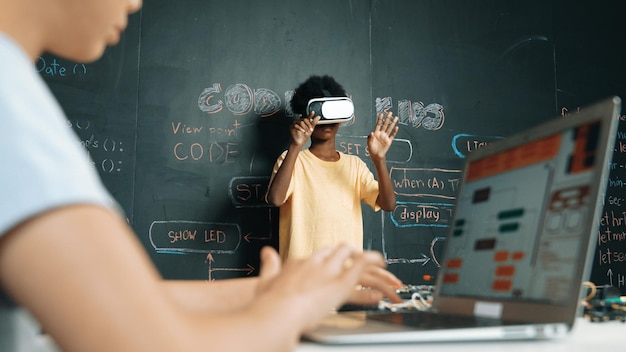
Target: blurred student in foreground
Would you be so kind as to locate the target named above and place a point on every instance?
(69, 258)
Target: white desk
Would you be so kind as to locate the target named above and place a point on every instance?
(585, 336)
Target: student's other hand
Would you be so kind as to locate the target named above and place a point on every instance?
(379, 141)
(377, 283)
(305, 291)
(302, 129)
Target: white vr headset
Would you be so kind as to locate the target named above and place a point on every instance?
(331, 109)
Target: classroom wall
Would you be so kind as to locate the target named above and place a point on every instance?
(185, 118)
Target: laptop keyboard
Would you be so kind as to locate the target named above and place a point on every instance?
(426, 320)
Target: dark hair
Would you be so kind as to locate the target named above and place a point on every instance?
(315, 87)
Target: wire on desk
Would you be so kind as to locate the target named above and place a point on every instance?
(421, 299)
(604, 303)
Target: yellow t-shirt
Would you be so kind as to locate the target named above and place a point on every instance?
(323, 203)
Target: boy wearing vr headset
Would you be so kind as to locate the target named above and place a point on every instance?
(319, 190)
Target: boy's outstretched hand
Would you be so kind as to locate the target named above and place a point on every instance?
(379, 141)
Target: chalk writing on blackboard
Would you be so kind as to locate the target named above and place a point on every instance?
(213, 268)
(248, 191)
(565, 111)
(407, 214)
(180, 236)
(202, 143)
(425, 182)
(239, 99)
(106, 152)
(110, 150)
(610, 233)
(414, 113)
(401, 150)
(426, 201)
(464, 143)
(611, 256)
(433, 243)
(213, 152)
(52, 67)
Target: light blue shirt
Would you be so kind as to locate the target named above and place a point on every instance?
(43, 167)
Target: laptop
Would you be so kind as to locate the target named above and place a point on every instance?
(520, 243)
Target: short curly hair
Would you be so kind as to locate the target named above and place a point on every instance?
(315, 87)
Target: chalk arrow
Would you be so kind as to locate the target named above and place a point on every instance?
(424, 260)
(248, 270)
(249, 236)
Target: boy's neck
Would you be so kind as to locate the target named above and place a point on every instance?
(324, 150)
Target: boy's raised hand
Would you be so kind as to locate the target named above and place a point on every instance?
(379, 141)
(302, 129)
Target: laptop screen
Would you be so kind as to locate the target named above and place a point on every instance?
(523, 217)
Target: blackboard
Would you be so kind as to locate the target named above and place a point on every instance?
(100, 100)
(480, 71)
(589, 50)
(197, 95)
